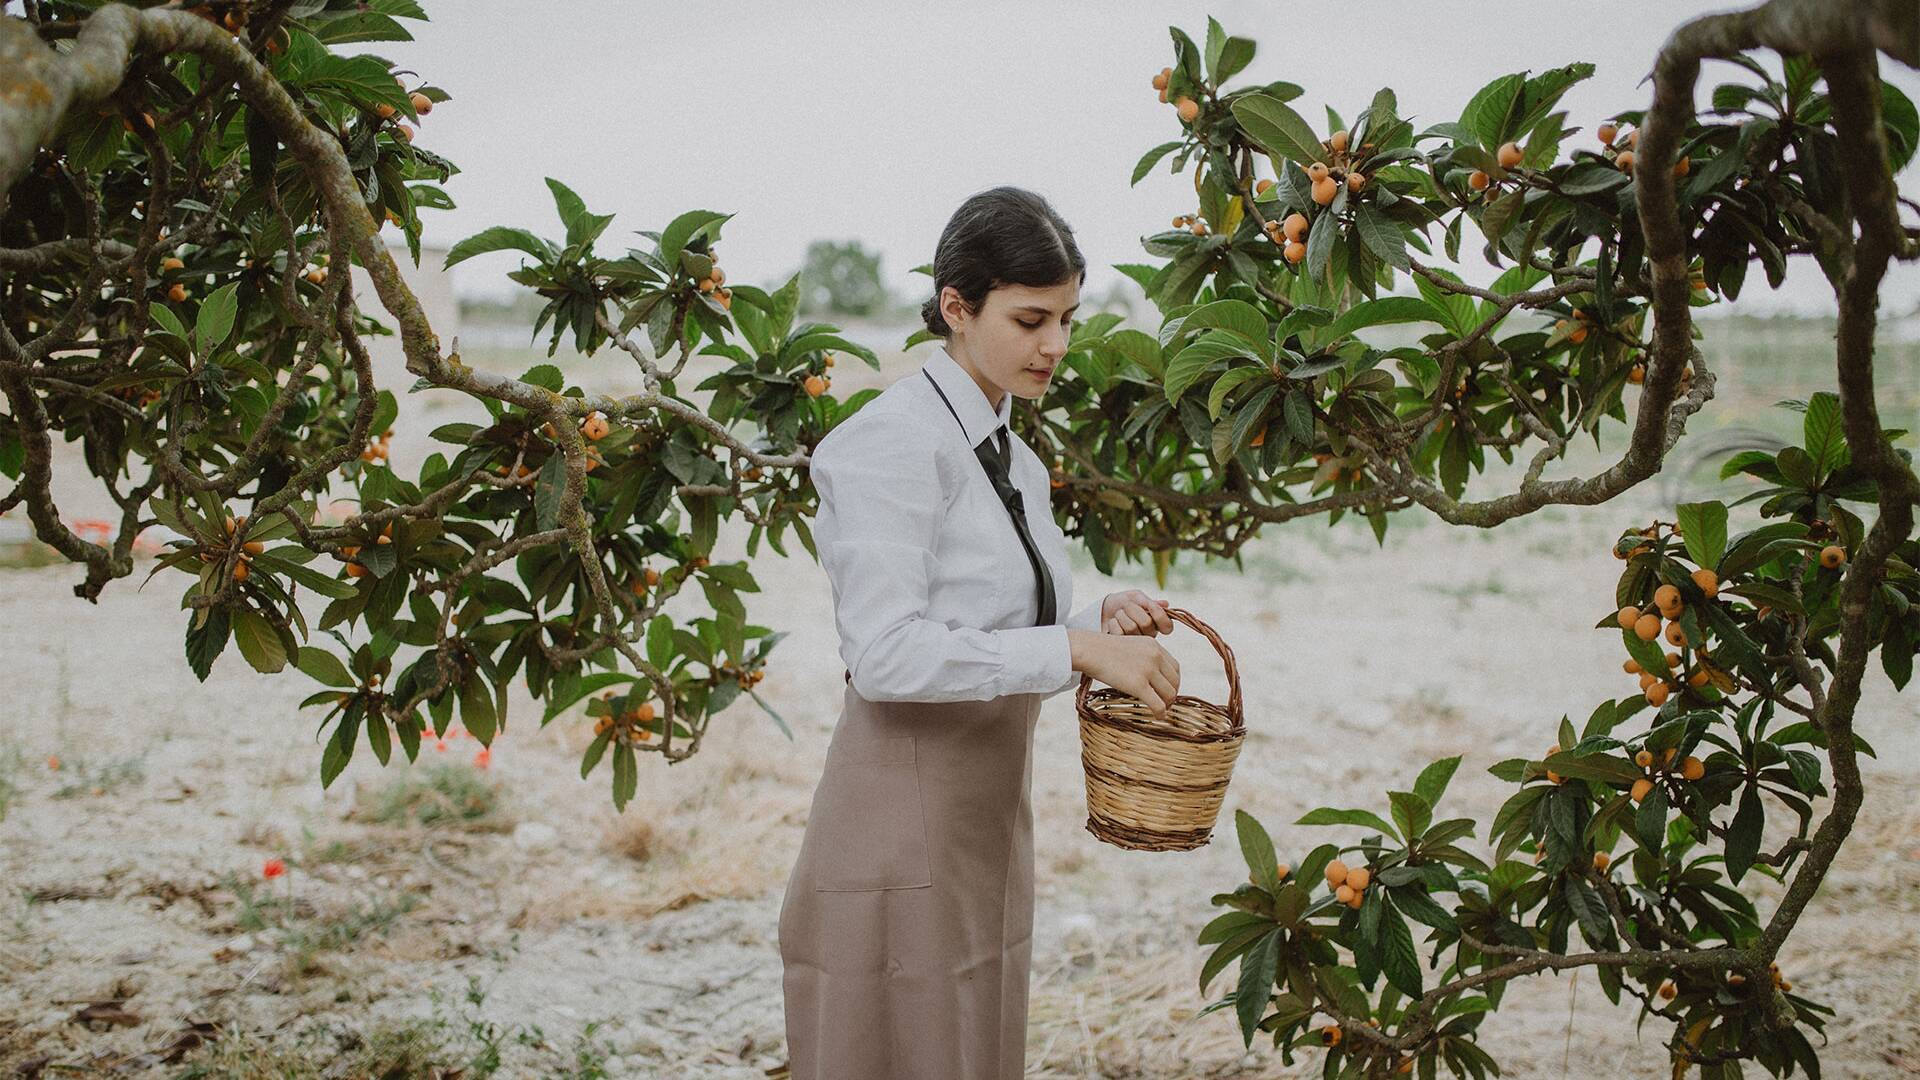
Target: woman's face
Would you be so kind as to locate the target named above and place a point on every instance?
(1015, 341)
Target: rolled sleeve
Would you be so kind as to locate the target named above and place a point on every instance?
(882, 501)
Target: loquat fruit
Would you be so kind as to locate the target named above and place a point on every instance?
(1631, 667)
(815, 385)
(240, 571)
(1295, 251)
(1330, 1035)
(1509, 155)
(177, 292)
(1324, 190)
(1657, 694)
(1295, 227)
(1628, 616)
(1478, 180)
(1676, 635)
(1692, 768)
(422, 104)
(1700, 677)
(1680, 167)
(1355, 182)
(1336, 873)
(1668, 990)
(1188, 109)
(1358, 877)
(1160, 79)
(1637, 374)
(1601, 860)
(171, 263)
(1647, 627)
(1317, 171)
(1624, 161)
(1708, 581)
(1261, 187)
(1344, 894)
(1607, 133)
(1338, 140)
(1641, 788)
(1666, 596)
(1832, 556)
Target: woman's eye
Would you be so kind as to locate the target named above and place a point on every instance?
(1029, 325)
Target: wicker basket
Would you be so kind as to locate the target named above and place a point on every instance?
(1157, 784)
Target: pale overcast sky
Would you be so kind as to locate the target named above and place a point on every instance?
(867, 120)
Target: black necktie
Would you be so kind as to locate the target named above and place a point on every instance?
(997, 461)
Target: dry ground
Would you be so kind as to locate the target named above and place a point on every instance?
(459, 913)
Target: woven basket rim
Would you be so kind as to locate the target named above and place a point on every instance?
(1236, 721)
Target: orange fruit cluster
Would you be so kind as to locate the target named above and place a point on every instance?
(1691, 768)
(1349, 885)
(715, 283)
(377, 450)
(631, 725)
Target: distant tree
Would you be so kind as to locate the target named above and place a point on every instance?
(843, 279)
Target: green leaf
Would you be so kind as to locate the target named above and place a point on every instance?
(206, 642)
(594, 751)
(339, 749)
(1493, 111)
(1328, 816)
(1704, 525)
(1250, 997)
(1650, 821)
(1434, 778)
(499, 238)
(1380, 312)
(1826, 438)
(549, 490)
(323, 666)
(682, 230)
(582, 227)
(626, 776)
(1398, 959)
(258, 640)
(364, 79)
(1236, 317)
(1743, 836)
(1257, 847)
(1274, 125)
(477, 713)
(1411, 812)
(215, 321)
(1381, 236)
(1150, 159)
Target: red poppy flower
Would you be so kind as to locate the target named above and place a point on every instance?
(273, 868)
(483, 758)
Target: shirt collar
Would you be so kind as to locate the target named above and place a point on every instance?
(977, 419)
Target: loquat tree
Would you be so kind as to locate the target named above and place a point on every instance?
(186, 185)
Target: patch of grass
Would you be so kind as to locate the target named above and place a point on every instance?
(465, 1044)
(305, 932)
(85, 776)
(439, 795)
(1464, 591)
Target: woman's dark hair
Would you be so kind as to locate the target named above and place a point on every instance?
(1001, 236)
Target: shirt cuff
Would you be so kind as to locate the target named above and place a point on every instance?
(1035, 660)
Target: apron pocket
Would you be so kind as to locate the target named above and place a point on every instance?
(870, 831)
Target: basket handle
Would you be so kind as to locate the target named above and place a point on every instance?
(1219, 646)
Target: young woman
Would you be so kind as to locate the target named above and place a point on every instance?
(906, 929)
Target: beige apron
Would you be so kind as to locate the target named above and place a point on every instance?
(906, 932)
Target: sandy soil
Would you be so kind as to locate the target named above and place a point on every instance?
(128, 870)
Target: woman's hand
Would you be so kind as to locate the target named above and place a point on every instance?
(1124, 656)
(1134, 612)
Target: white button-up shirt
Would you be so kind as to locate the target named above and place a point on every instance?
(933, 593)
